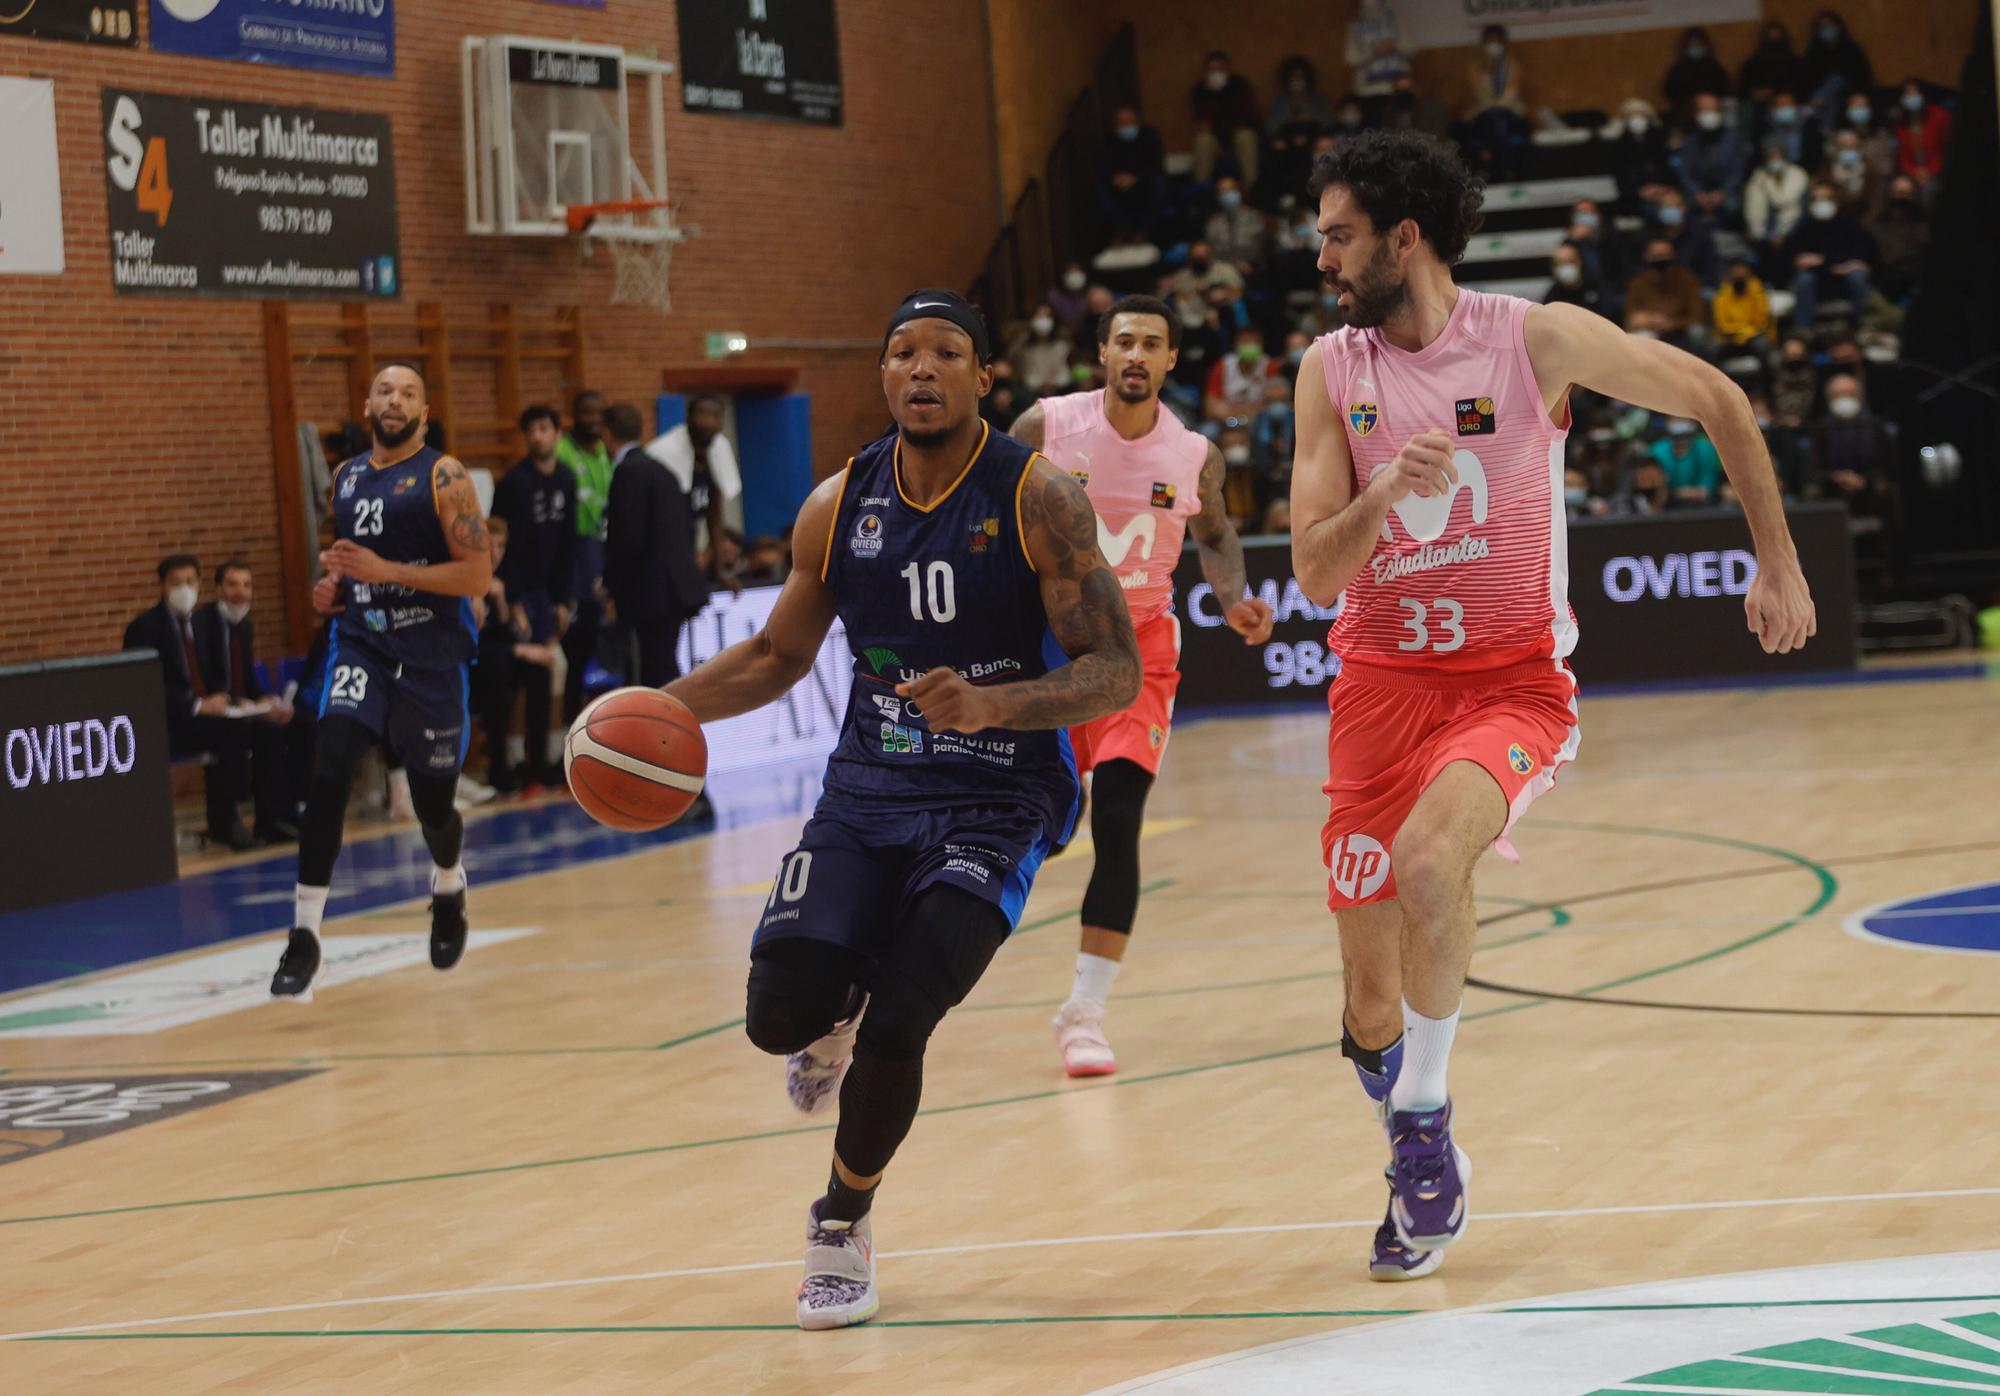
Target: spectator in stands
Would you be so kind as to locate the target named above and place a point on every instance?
(1572, 285)
(1833, 68)
(1273, 443)
(649, 558)
(1235, 391)
(1853, 452)
(1782, 442)
(1609, 255)
(1789, 125)
(1878, 142)
(1131, 178)
(1694, 74)
(1323, 316)
(767, 561)
(1922, 130)
(1006, 399)
(704, 461)
(1295, 250)
(1233, 441)
(1648, 492)
(1714, 162)
(1693, 243)
(510, 663)
(1206, 282)
(1296, 344)
(1639, 155)
(1040, 354)
(1606, 461)
(1794, 384)
(537, 501)
(226, 644)
(1742, 310)
(1299, 115)
(1664, 299)
(1496, 134)
(1901, 233)
(1068, 298)
(1772, 67)
(1844, 355)
(1225, 119)
(1411, 109)
(1830, 252)
(1374, 51)
(1096, 302)
(1690, 463)
(197, 724)
(581, 448)
(1235, 231)
(1774, 199)
(1855, 187)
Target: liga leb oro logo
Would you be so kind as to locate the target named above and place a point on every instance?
(37, 1117)
(1475, 416)
(1362, 416)
(1163, 495)
(984, 533)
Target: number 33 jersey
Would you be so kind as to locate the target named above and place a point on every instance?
(1478, 578)
(949, 585)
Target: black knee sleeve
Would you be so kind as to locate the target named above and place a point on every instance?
(434, 799)
(340, 744)
(798, 990)
(1117, 808)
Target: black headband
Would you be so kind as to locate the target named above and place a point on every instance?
(934, 304)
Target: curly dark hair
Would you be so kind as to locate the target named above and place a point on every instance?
(1395, 175)
(1141, 305)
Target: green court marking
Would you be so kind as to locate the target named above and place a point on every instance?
(1073, 913)
(698, 1036)
(1837, 1365)
(1755, 1304)
(714, 1327)
(48, 1017)
(1828, 886)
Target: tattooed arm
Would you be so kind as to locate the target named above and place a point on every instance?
(1222, 556)
(470, 570)
(1087, 614)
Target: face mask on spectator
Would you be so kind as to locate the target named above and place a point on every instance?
(1350, 119)
(1128, 133)
(1823, 209)
(1199, 265)
(1672, 215)
(1637, 125)
(1216, 80)
(1043, 324)
(1696, 50)
(1913, 101)
(1329, 300)
(232, 613)
(1829, 33)
(1740, 282)
(1776, 164)
(1229, 198)
(1238, 454)
(1296, 356)
(1858, 116)
(1849, 157)
(1494, 48)
(1193, 319)
(1763, 421)
(1585, 219)
(1575, 496)
(1073, 280)
(1845, 407)
(1784, 116)
(1708, 120)
(1568, 273)
(180, 600)
(1659, 264)
(1249, 353)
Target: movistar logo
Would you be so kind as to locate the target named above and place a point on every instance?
(1117, 546)
(880, 659)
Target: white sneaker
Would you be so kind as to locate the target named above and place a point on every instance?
(470, 793)
(1080, 1039)
(813, 1077)
(839, 1288)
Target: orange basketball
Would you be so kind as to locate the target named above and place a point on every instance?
(635, 759)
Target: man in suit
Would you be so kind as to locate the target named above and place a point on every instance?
(225, 643)
(195, 715)
(649, 560)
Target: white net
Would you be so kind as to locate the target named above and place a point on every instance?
(640, 273)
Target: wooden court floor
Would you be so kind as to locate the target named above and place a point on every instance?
(561, 1168)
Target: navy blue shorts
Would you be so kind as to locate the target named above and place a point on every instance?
(856, 872)
(423, 710)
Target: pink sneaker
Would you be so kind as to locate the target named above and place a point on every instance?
(1080, 1039)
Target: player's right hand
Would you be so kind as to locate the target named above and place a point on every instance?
(326, 595)
(1423, 468)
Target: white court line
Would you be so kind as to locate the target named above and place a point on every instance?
(982, 1247)
(1821, 1369)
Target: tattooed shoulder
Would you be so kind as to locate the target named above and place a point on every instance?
(1059, 520)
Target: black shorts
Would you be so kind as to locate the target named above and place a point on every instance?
(424, 711)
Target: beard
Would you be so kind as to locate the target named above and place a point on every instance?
(1377, 298)
(925, 440)
(1133, 392)
(386, 437)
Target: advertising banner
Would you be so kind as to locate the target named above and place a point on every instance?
(31, 238)
(214, 197)
(342, 36)
(800, 726)
(78, 21)
(762, 58)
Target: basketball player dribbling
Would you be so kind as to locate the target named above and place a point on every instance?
(983, 624)
(410, 553)
(1428, 488)
(1150, 479)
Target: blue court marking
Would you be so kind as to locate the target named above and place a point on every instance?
(1964, 921)
(249, 899)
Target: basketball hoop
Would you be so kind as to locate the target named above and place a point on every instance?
(641, 243)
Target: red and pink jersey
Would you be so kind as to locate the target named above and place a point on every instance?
(1479, 578)
(1144, 491)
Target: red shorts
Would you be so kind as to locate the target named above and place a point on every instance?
(1392, 731)
(1139, 734)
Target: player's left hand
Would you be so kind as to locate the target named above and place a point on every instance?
(1779, 606)
(355, 561)
(1251, 618)
(947, 701)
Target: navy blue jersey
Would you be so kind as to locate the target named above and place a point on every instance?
(393, 513)
(950, 585)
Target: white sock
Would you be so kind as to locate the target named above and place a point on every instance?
(308, 905)
(1426, 1051)
(449, 879)
(1094, 974)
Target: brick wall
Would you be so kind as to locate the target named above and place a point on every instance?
(135, 426)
